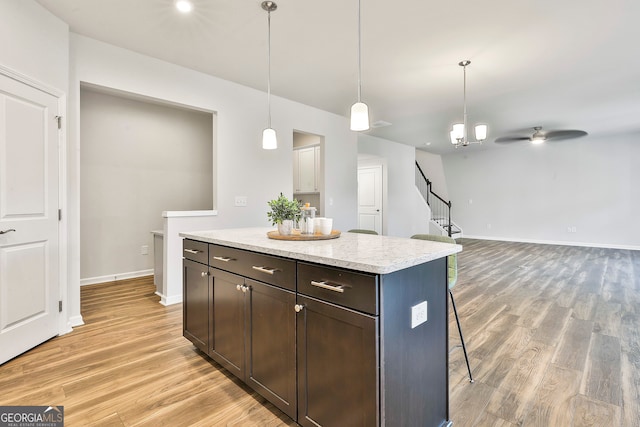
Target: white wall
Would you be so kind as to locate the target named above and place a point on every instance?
(138, 159)
(405, 210)
(243, 167)
(35, 44)
(535, 193)
(431, 165)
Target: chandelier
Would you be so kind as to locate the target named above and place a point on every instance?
(458, 134)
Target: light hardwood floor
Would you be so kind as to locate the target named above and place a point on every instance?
(553, 334)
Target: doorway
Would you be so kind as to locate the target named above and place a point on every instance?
(308, 167)
(139, 157)
(370, 197)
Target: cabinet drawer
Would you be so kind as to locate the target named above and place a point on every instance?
(346, 288)
(265, 268)
(195, 251)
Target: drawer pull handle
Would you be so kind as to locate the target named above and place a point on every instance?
(268, 270)
(192, 251)
(325, 285)
(223, 258)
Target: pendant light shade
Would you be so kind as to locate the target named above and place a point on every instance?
(481, 132)
(458, 131)
(269, 140)
(359, 116)
(359, 110)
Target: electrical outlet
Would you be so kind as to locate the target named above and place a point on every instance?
(241, 201)
(144, 250)
(418, 314)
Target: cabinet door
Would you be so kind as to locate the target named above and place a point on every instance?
(228, 321)
(296, 171)
(337, 366)
(306, 170)
(318, 173)
(271, 351)
(195, 313)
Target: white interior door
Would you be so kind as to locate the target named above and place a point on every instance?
(29, 161)
(370, 198)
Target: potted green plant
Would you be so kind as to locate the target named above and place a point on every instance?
(284, 213)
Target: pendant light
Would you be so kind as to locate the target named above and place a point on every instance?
(359, 110)
(459, 133)
(269, 140)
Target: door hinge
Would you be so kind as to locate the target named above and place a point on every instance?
(59, 119)
(59, 214)
(60, 306)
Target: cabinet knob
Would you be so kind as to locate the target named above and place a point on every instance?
(298, 308)
(245, 288)
(239, 287)
(204, 273)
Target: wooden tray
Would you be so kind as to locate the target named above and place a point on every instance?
(295, 235)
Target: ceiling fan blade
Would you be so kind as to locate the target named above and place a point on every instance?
(558, 135)
(507, 139)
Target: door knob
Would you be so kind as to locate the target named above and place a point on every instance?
(7, 231)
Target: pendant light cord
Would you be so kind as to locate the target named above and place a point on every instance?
(359, 55)
(464, 103)
(269, 67)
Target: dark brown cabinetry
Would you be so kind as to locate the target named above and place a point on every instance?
(228, 321)
(337, 347)
(271, 345)
(337, 366)
(195, 291)
(250, 323)
(327, 346)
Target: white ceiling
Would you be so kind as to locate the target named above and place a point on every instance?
(562, 64)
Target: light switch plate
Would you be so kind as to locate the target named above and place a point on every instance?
(418, 314)
(241, 201)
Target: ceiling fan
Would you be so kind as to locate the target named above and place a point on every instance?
(539, 136)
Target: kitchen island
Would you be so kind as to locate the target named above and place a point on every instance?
(348, 331)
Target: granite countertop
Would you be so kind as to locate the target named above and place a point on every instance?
(360, 252)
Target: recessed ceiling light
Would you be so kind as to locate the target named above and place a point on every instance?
(184, 6)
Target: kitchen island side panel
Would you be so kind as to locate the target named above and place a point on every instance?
(414, 361)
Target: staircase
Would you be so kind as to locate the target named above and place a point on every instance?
(440, 208)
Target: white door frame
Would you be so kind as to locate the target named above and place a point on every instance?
(63, 319)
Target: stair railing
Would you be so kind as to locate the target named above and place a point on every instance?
(440, 208)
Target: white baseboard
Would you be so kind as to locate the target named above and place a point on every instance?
(169, 300)
(114, 277)
(76, 321)
(554, 242)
